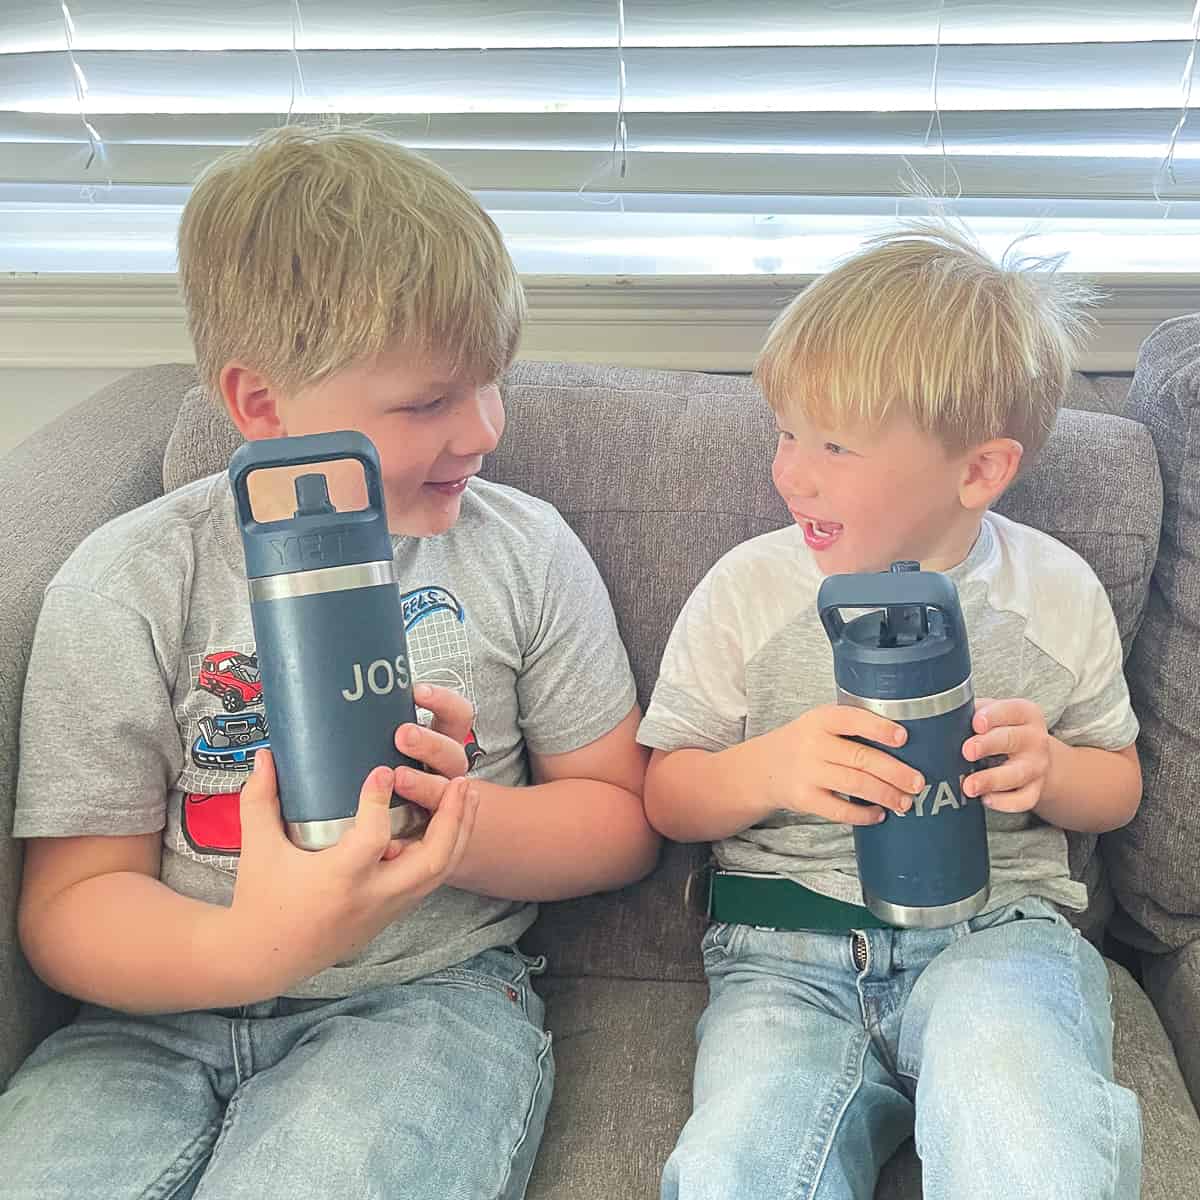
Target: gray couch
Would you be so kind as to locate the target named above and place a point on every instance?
(660, 473)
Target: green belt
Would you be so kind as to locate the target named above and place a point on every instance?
(776, 902)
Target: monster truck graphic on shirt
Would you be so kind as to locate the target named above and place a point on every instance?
(232, 676)
(229, 741)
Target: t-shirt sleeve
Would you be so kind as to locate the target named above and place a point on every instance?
(575, 683)
(99, 745)
(699, 701)
(1098, 712)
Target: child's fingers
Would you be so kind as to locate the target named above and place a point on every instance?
(991, 714)
(396, 847)
(847, 782)
(453, 714)
(847, 721)
(1020, 800)
(858, 759)
(421, 787)
(371, 832)
(470, 811)
(846, 812)
(258, 806)
(1013, 774)
(441, 753)
(424, 863)
(1002, 740)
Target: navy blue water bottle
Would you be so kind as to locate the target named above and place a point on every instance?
(329, 628)
(907, 660)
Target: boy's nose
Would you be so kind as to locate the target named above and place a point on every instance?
(478, 432)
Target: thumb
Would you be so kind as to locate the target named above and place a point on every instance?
(372, 829)
(260, 802)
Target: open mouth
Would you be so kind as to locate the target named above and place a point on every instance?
(449, 487)
(818, 535)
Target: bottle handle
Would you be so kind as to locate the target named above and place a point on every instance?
(888, 590)
(303, 451)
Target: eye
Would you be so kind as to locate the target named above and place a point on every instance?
(428, 407)
(834, 449)
(785, 436)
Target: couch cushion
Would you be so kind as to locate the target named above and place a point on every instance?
(202, 442)
(1144, 1061)
(1153, 861)
(1173, 983)
(662, 472)
(1096, 487)
(624, 1053)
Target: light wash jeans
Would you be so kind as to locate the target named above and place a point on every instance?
(992, 1040)
(432, 1089)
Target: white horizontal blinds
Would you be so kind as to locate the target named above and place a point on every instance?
(1036, 99)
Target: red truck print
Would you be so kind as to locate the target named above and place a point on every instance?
(233, 677)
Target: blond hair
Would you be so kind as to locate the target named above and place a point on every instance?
(310, 249)
(923, 324)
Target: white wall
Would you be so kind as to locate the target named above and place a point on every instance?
(31, 396)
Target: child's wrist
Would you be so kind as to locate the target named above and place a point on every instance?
(1057, 770)
(743, 781)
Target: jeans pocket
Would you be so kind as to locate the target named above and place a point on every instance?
(1029, 908)
(504, 970)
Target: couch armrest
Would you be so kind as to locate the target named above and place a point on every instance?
(95, 462)
(1173, 981)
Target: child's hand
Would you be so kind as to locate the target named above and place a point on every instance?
(811, 765)
(300, 911)
(1016, 729)
(440, 746)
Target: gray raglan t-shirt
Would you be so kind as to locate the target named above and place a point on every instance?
(748, 654)
(143, 705)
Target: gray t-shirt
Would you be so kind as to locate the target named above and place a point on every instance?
(143, 706)
(748, 654)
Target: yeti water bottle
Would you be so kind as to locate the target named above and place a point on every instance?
(907, 660)
(329, 628)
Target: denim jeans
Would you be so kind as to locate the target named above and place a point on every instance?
(436, 1088)
(991, 1041)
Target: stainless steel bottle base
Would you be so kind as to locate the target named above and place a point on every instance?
(407, 820)
(935, 916)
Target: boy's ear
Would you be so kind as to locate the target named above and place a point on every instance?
(990, 468)
(251, 400)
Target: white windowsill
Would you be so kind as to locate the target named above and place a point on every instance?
(696, 322)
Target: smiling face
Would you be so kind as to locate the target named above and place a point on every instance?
(431, 424)
(908, 382)
(867, 499)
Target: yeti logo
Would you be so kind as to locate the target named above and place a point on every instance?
(323, 546)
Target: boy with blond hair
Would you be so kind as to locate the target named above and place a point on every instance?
(908, 385)
(258, 1020)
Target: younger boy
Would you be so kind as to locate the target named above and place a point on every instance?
(260, 1021)
(908, 385)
